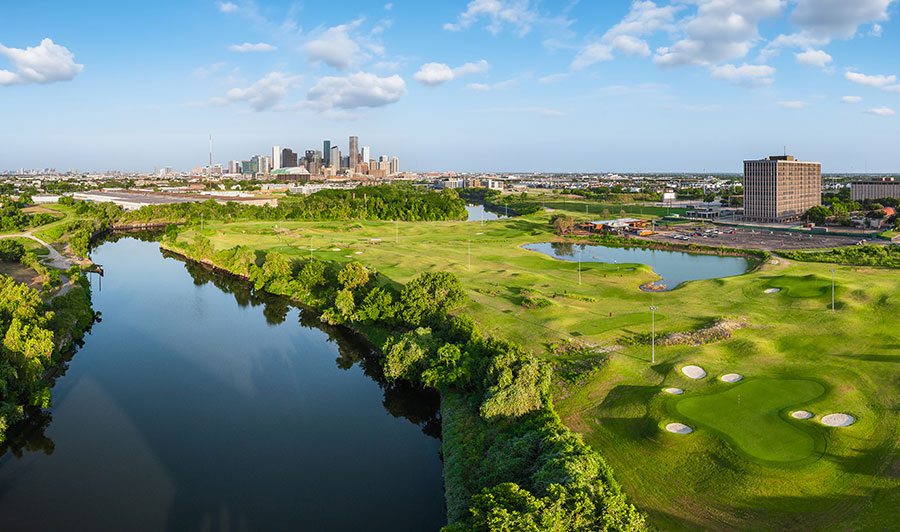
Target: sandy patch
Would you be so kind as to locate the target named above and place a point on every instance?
(679, 428)
(335, 249)
(694, 372)
(771, 290)
(838, 420)
(674, 391)
(801, 414)
(731, 377)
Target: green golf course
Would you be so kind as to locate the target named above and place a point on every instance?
(753, 415)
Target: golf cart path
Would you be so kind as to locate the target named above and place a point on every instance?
(55, 259)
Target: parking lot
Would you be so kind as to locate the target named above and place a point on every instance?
(760, 238)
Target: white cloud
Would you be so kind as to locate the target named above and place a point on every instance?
(851, 99)
(354, 91)
(478, 87)
(227, 7)
(388, 7)
(553, 78)
(45, 63)
(590, 54)
(644, 18)
(264, 94)
(434, 74)
(515, 13)
(792, 104)
(336, 46)
(631, 46)
(746, 75)
(881, 111)
(892, 88)
(837, 19)
(875, 31)
(816, 58)
(205, 72)
(250, 47)
(878, 80)
(721, 30)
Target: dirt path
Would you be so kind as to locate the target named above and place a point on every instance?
(55, 259)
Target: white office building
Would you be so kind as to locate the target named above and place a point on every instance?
(276, 157)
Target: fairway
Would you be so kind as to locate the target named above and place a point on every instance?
(748, 416)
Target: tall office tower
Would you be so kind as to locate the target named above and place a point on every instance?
(276, 157)
(334, 160)
(265, 164)
(234, 167)
(247, 168)
(288, 158)
(780, 189)
(326, 153)
(383, 163)
(364, 156)
(313, 161)
(395, 166)
(354, 152)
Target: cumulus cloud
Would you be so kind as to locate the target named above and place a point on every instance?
(878, 80)
(816, 58)
(892, 88)
(340, 48)
(554, 78)
(837, 19)
(354, 91)
(875, 31)
(792, 104)
(721, 30)
(500, 13)
(851, 99)
(264, 94)
(745, 75)
(644, 18)
(227, 7)
(434, 74)
(881, 111)
(250, 47)
(45, 63)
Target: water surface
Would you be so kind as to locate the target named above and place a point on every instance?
(674, 267)
(198, 405)
(478, 213)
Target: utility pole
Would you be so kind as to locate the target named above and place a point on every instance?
(832, 290)
(653, 334)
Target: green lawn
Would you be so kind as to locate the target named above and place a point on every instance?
(715, 478)
(754, 416)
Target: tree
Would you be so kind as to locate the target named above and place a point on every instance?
(10, 250)
(354, 275)
(563, 224)
(428, 298)
(449, 368)
(817, 214)
(406, 357)
(378, 305)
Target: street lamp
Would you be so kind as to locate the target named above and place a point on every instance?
(832, 290)
(579, 268)
(653, 334)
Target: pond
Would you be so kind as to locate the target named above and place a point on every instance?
(478, 213)
(674, 267)
(197, 404)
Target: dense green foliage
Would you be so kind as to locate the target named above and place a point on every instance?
(12, 218)
(513, 204)
(32, 334)
(385, 202)
(10, 250)
(865, 255)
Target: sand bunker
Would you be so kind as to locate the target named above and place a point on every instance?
(801, 414)
(335, 249)
(679, 428)
(694, 372)
(838, 420)
(771, 290)
(732, 377)
(674, 391)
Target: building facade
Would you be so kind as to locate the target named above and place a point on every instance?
(276, 157)
(354, 153)
(780, 188)
(874, 188)
(334, 160)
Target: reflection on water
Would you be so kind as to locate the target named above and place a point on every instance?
(478, 212)
(674, 267)
(199, 404)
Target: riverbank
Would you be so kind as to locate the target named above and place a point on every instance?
(512, 441)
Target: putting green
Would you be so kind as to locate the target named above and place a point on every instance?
(749, 416)
(801, 286)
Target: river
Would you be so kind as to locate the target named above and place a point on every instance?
(196, 404)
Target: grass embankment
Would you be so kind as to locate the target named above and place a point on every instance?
(702, 480)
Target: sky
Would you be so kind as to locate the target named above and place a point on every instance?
(471, 86)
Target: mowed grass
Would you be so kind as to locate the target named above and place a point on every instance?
(703, 481)
(753, 416)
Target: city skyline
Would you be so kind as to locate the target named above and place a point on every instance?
(494, 85)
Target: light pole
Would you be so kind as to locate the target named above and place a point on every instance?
(832, 290)
(653, 334)
(469, 243)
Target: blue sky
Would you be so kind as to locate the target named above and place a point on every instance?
(480, 85)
